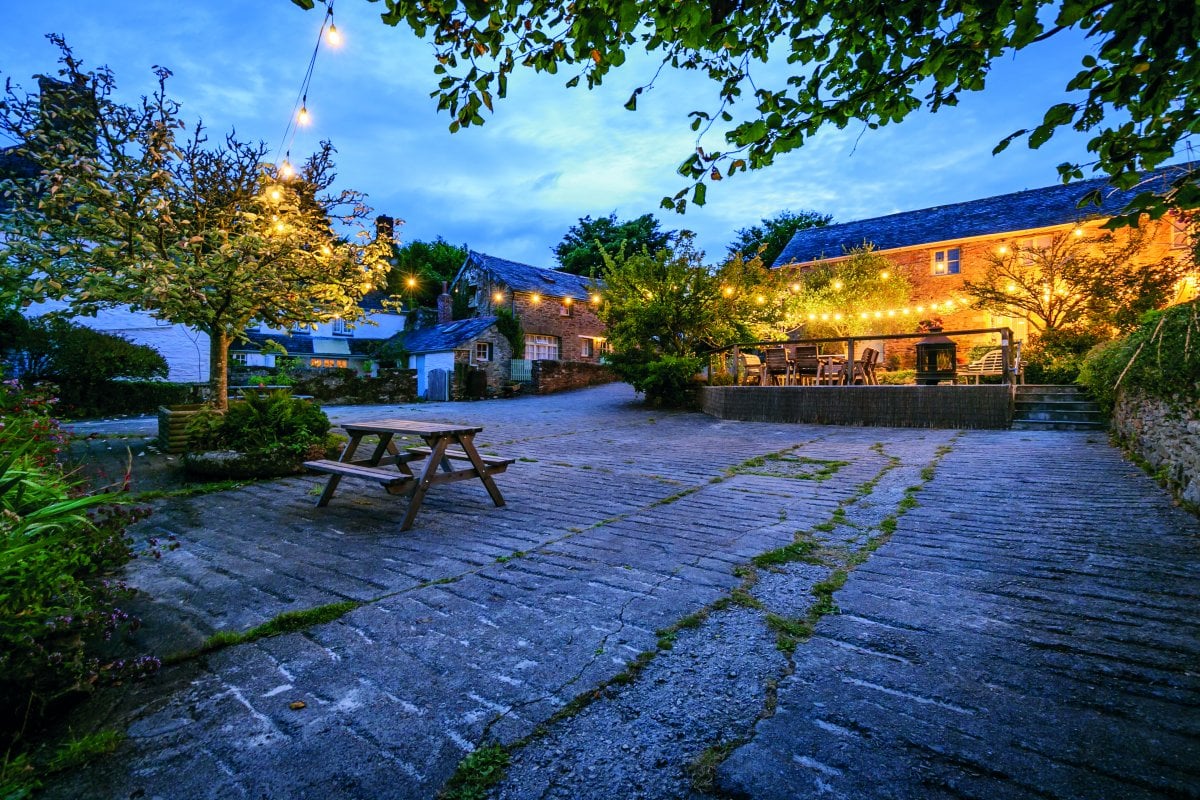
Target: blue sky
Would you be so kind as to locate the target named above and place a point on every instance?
(549, 155)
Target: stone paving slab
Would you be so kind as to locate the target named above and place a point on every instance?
(480, 623)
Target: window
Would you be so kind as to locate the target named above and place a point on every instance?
(237, 358)
(329, 362)
(945, 262)
(541, 348)
(483, 352)
(567, 308)
(339, 328)
(1036, 250)
(587, 347)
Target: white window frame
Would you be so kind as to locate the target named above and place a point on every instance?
(340, 329)
(538, 345)
(483, 352)
(940, 261)
(587, 347)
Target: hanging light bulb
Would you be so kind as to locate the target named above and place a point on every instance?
(333, 36)
(276, 194)
(286, 170)
(303, 118)
(595, 298)
(837, 284)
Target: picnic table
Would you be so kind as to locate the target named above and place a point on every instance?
(387, 465)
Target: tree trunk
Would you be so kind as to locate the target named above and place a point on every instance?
(218, 367)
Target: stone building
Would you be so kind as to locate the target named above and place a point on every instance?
(555, 309)
(939, 248)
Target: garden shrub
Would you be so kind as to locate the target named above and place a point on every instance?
(1161, 358)
(59, 548)
(1054, 357)
(85, 364)
(266, 424)
(667, 380)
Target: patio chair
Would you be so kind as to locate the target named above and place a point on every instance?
(777, 365)
(862, 370)
(751, 369)
(806, 368)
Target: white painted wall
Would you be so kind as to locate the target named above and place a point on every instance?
(185, 349)
(424, 362)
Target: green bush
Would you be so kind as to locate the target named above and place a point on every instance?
(897, 377)
(58, 549)
(84, 364)
(265, 423)
(1161, 358)
(1055, 357)
(666, 380)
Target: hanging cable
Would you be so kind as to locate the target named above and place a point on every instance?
(300, 116)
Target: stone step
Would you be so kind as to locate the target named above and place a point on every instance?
(1058, 415)
(1051, 405)
(1056, 425)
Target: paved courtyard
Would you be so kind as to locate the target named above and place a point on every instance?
(674, 606)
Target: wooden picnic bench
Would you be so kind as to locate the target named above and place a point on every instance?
(389, 466)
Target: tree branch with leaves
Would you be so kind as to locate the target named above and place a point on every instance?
(119, 209)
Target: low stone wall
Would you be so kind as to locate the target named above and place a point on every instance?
(1166, 435)
(888, 406)
(558, 376)
(342, 386)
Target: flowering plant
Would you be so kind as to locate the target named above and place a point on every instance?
(929, 325)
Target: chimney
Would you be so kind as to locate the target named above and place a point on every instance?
(445, 304)
(385, 229)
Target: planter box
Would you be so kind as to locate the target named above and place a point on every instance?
(172, 426)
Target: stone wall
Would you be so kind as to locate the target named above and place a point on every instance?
(342, 386)
(891, 406)
(558, 376)
(1165, 435)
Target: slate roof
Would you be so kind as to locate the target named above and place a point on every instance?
(528, 278)
(301, 345)
(991, 216)
(446, 336)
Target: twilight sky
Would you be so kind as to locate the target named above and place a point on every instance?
(549, 155)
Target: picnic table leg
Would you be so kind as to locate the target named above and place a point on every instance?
(422, 486)
(334, 479)
(468, 447)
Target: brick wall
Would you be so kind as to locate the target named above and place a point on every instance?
(558, 376)
(916, 264)
(890, 406)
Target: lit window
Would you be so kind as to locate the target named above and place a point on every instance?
(566, 309)
(340, 329)
(1035, 249)
(587, 347)
(945, 262)
(541, 348)
(483, 352)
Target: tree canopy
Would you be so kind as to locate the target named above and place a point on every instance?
(119, 208)
(582, 249)
(1136, 91)
(769, 239)
(419, 268)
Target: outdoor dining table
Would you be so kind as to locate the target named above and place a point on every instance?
(390, 467)
(827, 363)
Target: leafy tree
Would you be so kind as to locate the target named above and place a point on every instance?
(664, 310)
(769, 239)
(1069, 279)
(419, 268)
(123, 211)
(850, 297)
(582, 249)
(872, 63)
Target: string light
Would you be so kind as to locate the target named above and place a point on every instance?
(301, 117)
(498, 297)
(596, 298)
